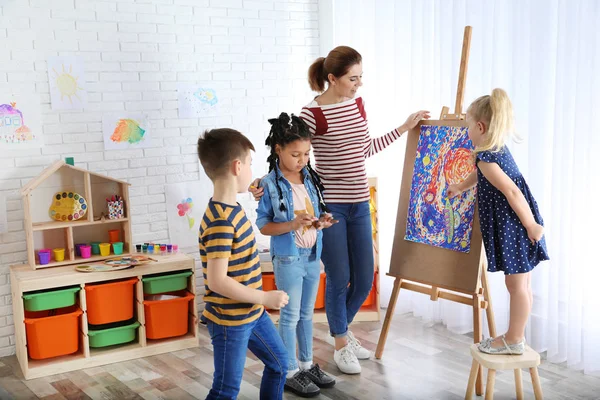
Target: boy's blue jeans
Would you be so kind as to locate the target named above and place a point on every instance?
(230, 344)
(299, 278)
(348, 259)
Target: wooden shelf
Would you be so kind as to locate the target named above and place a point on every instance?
(42, 226)
(24, 279)
(166, 341)
(50, 362)
(81, 261)
(114, 349)
(367, 313)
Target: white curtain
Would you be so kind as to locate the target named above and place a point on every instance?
(546, 55)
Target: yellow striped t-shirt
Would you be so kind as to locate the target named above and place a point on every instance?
(225, 232)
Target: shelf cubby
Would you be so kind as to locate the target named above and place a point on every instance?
(38, 196)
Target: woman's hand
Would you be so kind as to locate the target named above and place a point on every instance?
(413, 119)
(256, 191)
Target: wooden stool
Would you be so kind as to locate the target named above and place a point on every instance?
(529, 359)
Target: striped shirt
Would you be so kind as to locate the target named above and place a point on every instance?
(225, 232)
(341, 143)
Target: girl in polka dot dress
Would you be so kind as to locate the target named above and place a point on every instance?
(511, 224)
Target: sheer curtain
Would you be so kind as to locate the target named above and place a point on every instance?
(546, 54)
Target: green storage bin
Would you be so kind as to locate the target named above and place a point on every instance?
(50, 299)
(112, 336)
(166, 283)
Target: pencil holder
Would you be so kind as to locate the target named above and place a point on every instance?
(115, 209)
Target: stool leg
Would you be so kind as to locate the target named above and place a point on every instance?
(519, 384)
(535, 380)
(472, 378)
(489, 389)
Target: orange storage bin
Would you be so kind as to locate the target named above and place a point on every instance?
(268, 281)
(52, 333)
(320, 301)
(167, 318)
(370, 299)
(110, 302)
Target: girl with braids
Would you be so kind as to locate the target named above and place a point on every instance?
(293, 213)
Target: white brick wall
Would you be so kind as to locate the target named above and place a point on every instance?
(255, 53)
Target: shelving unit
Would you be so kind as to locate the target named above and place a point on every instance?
(24, 279)
(366, 313)
(43, 232)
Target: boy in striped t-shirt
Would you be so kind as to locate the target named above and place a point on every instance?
(235, 304)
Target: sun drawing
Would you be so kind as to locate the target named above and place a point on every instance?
(67, 83)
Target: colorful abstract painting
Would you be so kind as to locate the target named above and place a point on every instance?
(443, 158)
(67, 83)
(196, 101)
(124, 132)
(20, 122)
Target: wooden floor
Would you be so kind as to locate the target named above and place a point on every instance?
(421, 361)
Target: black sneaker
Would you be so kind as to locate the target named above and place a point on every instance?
(319, 377)
(302, 385)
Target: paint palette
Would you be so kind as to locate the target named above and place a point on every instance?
(101, 268)
(129, 260)
(67, 206)
(121, 261)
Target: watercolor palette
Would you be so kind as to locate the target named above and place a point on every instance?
(101, 267)
(67, 206)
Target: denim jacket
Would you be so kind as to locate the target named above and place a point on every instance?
(268, 211)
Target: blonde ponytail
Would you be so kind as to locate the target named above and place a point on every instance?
(496, 112)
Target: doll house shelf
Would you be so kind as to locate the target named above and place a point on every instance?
(43, 232)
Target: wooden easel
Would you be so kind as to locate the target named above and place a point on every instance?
(477, 294)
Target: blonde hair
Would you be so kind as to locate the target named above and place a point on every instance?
(496, 112)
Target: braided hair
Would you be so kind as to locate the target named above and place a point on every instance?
(285, 130)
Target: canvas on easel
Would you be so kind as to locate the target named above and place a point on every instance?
(438, 249)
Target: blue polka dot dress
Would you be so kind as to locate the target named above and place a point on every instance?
(507, 245)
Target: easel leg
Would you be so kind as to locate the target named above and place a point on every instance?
(388, 318)
(477, 336)
(489, 311)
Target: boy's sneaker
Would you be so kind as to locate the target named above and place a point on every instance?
(319, 377)
(360, 352)
(301, 385)
(346, 360)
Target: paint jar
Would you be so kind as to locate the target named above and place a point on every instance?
(163, 249)
(138, 248)
(104, 249)
(95, 248)
(145, 248)
(59, 254)
(170, 248)
(113, 235)
(44, 256)
(157, 249)
(117, 248)
(77, 251)
(151, 249)
(175, 248)
(85, 251)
